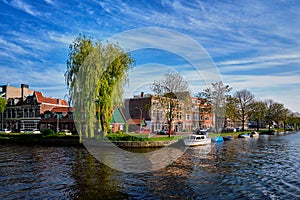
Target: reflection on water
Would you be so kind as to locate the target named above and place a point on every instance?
(262, 168)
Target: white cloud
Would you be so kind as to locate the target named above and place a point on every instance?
(24, 7)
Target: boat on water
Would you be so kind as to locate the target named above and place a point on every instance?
(228, 137)
(217, 139)
(244, 135)
(195, 140)
(254, 134)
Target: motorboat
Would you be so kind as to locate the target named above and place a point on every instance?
(244, 135)
(195, 140)
(217, 139)
(254, 134)
(228, 137)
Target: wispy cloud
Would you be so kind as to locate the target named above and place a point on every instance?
(21, 5)
(254, 43)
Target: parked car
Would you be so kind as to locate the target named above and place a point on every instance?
(34, 131)
(144, 131)
(68, 132)
(5, 131)
(166, 132)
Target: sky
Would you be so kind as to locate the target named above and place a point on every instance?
(248, 44)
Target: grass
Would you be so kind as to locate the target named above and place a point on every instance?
(138, 137)
(233, 134)
(31, 138)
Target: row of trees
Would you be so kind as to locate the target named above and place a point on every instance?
(242, 106)
(97, 72)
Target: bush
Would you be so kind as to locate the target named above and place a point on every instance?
(119, 132)
(48, 131)
(119, 136)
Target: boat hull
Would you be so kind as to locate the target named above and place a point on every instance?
(188, 142)
(218, 139)
(196, 140)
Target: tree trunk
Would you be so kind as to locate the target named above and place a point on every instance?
(257, 125)
(103, 125)
(170, 127)
(243, 124)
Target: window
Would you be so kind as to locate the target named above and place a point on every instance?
(206, 118)
(195, 117)
(188, 117)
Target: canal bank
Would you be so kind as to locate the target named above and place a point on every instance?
(39, 139)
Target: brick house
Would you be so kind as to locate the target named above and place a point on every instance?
(189, 114)
(25, 107)
(58, 119)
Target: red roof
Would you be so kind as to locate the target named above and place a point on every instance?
(134, 121)
(61, 109)
(49, 100)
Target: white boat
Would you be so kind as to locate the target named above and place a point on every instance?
(244, 135)
(254, 134)
(195, 140)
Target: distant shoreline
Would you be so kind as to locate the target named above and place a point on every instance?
(38, 139)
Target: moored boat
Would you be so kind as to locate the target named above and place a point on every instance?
(254, 134)
(228, 137)
(195, 140)
(217, 139)
(244, 135)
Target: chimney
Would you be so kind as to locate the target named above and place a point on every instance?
(142, 94)
(23, 86)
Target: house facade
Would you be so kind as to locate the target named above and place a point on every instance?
(25, 108)
(58, 119)
(188, 114)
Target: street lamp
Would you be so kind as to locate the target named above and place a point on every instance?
(140, 117)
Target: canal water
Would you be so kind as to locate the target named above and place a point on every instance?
(264, 168)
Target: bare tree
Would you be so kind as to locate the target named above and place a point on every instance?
(172, 88)
(244, 101)
(216, 96)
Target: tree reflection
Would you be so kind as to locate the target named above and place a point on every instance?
(93, 180)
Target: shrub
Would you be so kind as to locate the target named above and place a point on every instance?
(48, 131)
(125, 137)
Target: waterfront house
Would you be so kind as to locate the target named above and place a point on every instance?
(25, 107)
(58, 119)
(189, 113)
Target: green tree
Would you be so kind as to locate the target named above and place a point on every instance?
(216, 96)
(231, 110)
(286, 117)
(78, 52)
(96, 74)
(273, 111)
(257, 112)
(244, 101)
(3, 103)
(169, 90)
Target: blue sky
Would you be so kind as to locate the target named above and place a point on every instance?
(254, 45)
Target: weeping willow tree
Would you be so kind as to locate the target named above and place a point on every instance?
(96, 74)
